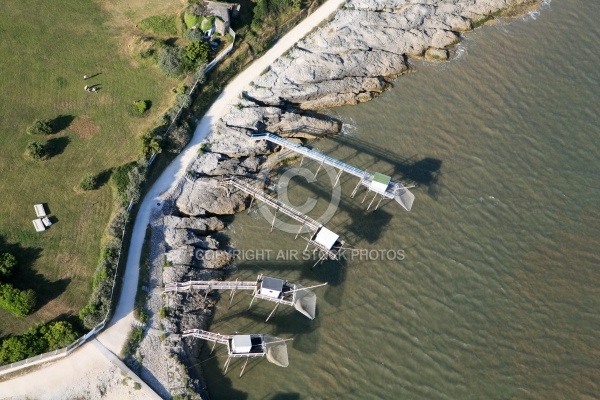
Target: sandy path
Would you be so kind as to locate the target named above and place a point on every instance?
(87, 364)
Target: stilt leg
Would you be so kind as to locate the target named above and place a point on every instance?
(356, 188)
(378, 203)
(372, 201)
(226, 365)
(302, 160)
(273, 312)
(273, 223)
(366, 194)
(337, 178)
(244, 367)
(301, 226)
(318, 169)
(213, 348)
(251, 301)
(251, 202)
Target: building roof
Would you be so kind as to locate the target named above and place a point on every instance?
(326, 238)
(380, 182)
(272, 284)
(39, 225)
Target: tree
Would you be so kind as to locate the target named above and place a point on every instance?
(88, 182)
(149, 145)
(37, 150)
(40, 126)
(17, 302)
(58, 334)
(197, 52)
(7, 264)
(169, 61)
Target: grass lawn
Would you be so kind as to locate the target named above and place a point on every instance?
(46, 48)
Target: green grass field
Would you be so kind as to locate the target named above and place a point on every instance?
(45, 49)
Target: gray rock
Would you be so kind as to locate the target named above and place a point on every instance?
(198, 225)
(206, 195)
(214, 259)
(433, 54)
(183, 255)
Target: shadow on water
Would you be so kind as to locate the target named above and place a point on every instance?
(283, 396)
(62, 122)
(57, 146)
(220, 385)
(423, 172)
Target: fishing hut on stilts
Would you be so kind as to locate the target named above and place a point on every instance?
(276, 290)
(325, 241)
(380, 184)
(246, 346)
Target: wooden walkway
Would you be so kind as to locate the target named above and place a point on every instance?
(209, 285)
(394, 190)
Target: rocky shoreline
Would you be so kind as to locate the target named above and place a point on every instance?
(350, 59)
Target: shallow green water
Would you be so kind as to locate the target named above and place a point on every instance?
(498, 294)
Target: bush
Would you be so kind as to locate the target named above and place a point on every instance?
(197, 52)
(133, 341)
(17, 302)
(200, 75)
(57, 334)
(120, 178)
(179, 137)
(160, 25)
(37, 150)
(164, 312)
(7, 263)
(193, 35)
(207, 23)
(170, 61)
(88, 182)
(150, 145)
(40, 126)
(139, 107)
(191, 19)
(37, 340)
(144, 317)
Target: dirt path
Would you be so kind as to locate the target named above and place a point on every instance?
(92, 361)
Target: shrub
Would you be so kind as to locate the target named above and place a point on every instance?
(120, 178)
(191, 19)
(200, 75)
(133, 341)
(207, 23)
(197, 52)
(7, 263)
(37, 150)
(17, 302)
(58, 334)
(179, 137)
(37, 340)
(170, 62)
(182, 101)
(88, 182)
(150, 145)
(160, 25)
(193, 35)
(137, 386)
(164, 312)
(139, 107)
(144, 317)
(40, 126)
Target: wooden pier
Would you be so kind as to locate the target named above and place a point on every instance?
(326, 241)
(380, 184)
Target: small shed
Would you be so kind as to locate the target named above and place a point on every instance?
(271, 287)
(241, 344)
(46, 221)
(39, 225)
(380, 182)
(326, 238)
(39, 210)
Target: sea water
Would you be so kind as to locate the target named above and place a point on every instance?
(490, 287)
